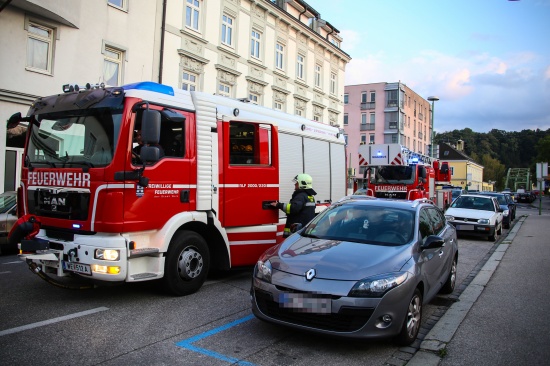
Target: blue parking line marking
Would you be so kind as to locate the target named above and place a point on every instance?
(188, 343)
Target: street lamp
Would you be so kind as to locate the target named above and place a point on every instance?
(432, 99)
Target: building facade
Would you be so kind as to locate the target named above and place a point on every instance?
(280, 54)
(465, 172)
(385, 113)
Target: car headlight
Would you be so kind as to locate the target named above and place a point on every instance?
(377, 286)
(483, 221)
(107, 254)
(450, 217)
(506, 212)
(262, 271)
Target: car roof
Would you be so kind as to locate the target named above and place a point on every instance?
(385, 202)
(477, 194)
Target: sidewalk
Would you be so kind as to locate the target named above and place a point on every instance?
(503, 316)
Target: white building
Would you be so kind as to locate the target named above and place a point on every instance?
(279, 54)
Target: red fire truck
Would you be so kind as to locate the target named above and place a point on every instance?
(195, 198)
(393, 171)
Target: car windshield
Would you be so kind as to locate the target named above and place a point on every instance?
(473, 203)
(6, 202)
(80, 138)
(363, 224)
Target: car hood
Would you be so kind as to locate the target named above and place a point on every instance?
(469, 213)
(339, 260)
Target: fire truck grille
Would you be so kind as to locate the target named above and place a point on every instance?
(397, 195)
(59, 204)
(346, 320)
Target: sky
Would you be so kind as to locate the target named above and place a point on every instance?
(488, 61)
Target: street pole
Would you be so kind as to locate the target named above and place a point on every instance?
(432, 99)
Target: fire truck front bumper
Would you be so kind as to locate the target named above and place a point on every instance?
(64, 259)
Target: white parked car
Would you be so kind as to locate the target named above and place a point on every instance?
(475, 214)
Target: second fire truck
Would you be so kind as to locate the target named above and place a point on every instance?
(393, 171)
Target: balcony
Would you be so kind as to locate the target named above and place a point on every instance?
(367, 127)
(392, 103)
(368, 105)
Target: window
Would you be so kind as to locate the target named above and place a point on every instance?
(224, 89)
(246, 147)
(299, 112)
(279, 56)
(372, 117)
(189, 81)
(363, 97)
(39, 47)
(318, 73)
(363, 139)
(300, 60)
(192, 14)
(391, 98)
(335, 42)
(112, 66)
(333, 83)
(278, 106)
(122, 4)
(227, 30)
(255, 44)
(345, 119)
(346, 98)
(363, 118)
(371, 138)
(253, 98)
(372, 97)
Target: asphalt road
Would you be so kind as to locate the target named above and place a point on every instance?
(137, 324)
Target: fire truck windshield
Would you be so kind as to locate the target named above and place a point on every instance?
(394, 174)
(80, 138)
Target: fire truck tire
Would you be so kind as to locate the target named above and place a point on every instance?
(187, 263)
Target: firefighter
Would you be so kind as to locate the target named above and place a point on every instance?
(301, 208)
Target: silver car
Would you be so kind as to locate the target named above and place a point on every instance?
(8, 217)
(361, 269)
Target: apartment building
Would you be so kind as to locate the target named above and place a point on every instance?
(276, 53)
(384, 113)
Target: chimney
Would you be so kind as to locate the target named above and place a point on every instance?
(460, 145)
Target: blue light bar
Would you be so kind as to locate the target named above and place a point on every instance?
(149, 85)
(379, 153)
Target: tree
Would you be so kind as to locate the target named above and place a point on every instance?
(543, 150)
(493, 171)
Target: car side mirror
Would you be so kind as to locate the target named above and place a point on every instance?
(432, 242)
(295, 227)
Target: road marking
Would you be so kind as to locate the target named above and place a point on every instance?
(188, 343)
(5, 272)
(16, 262)
(51, 321)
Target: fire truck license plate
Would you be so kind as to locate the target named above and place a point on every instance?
(77, 267)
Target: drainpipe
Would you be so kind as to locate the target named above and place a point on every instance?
(162, 30)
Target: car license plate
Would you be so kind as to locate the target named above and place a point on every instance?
(464, 227)
(305, 303)
(77, 267)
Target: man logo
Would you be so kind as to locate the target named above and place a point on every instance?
(310, 274)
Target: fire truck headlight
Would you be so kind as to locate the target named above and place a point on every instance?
(262, 271)
(107, 254)
(483, 221)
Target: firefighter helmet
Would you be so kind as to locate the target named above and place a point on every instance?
(304, 181)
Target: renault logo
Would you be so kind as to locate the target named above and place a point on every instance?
(310, 274)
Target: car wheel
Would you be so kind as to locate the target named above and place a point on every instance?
(493, 237)
(187, 263)
(499, 232)
(413, 318)
(507, 225)
(449, 285)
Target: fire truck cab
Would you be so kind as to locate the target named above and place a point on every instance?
(393, 171)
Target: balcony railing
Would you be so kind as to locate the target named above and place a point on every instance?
(367, 127)
(421, 116)
(368, 105)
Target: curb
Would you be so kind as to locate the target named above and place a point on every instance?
(442, 332)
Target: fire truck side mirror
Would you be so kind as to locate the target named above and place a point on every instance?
(444, 168)
(150, 126)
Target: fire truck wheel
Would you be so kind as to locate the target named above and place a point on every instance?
(187, 263)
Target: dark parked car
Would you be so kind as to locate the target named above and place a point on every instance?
(363, 268)
(508, 206)
(526, 197)
(8, 216)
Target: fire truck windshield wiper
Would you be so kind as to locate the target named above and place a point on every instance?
(81, 162)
